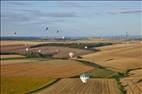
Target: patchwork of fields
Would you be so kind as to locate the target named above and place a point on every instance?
(132, 85)
(51, 68)
(115, 68)
(75, 86)
(120, 57)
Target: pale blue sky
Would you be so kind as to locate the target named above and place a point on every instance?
(72, 18)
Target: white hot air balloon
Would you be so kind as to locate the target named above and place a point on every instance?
(86, 47)
(71, 54)
(84, 78)
(27, 49)
(63, 37)
(39, 51)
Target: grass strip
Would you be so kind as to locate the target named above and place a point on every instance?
(120, 87)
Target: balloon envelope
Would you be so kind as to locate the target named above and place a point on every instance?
(84, 78)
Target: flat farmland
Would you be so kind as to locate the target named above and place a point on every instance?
(118, 57)
(132, 85)
(50, 68)
(26, 75)
(75, 86)
(22, 84)
(135, 73)
(11, 56)
(15, 61)
(60, 52)
(17, 42)
(56, 51)
(13, 48)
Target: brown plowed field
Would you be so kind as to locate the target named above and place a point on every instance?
(13, 48)
(132, 85)
(58, 52)
(51, 68)
(75, 86)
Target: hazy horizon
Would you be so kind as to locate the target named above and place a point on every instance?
(71, 18)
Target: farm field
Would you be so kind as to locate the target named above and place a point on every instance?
(22, 84)
(69, 47)
(17, 60)
(135, 73)
(50, 68)
(39, 72)
(36, 42)
(55, 51)
(120, 57)
(75, 86)
(17, 42)
(10, 56)
(29, 76)
(60, 52)
(133, 85)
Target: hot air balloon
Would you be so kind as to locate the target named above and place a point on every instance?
(84, 78)
(27, 49)
(86, 47)
(71, 54)
(46, 28)
(39, 51)
(63, 37)
(57, 31)
(14, 33)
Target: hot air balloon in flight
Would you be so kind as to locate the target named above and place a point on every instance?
(46, 28)
(14, 33)
(84, 77)
(57, 31)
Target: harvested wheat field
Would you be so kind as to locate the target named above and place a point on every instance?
(15, 61)
(11, 56)
(132, 85)
(22, 84)
(19, 42)
(118, 57)
(13, 48)
(135, 73)
(50, 68)
(75, 86)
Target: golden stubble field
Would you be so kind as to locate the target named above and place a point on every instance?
(75, 86)
(119, 57)
(23, 76)
(50, 68)
(37, 73)
(122, 57)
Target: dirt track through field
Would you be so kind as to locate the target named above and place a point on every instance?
(75, 86)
